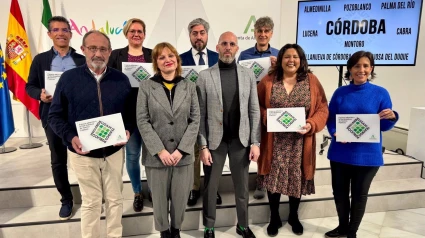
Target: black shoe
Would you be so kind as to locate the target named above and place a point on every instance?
(335, 233)
(209, 233)
(66, 211)
(297, 227)
(165, 234)
(273, 227)
(175, 233)
(219, 202)
(245, 233)
(193, 197)
(351, 235)
(138, 202)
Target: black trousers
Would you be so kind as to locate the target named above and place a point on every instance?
(239, 167)
(59, 158)
(360, 178)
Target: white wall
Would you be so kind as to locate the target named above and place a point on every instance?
(405, 84)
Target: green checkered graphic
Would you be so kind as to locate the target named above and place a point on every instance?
(358, 128)
(141, 74)
(102, 131)
(192, 76)
(257, 69)
(286, 119)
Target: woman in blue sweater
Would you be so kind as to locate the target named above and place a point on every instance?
(356, 163)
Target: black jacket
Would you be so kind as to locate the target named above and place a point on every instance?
(79, 96)
(42, 62)
(115, 61)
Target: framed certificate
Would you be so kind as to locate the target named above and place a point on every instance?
(358, 128)
(285, 119)
(101, 132)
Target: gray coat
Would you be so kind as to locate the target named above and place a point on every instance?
(164, 127)
(211, 106)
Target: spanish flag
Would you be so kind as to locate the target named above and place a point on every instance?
(18, 59)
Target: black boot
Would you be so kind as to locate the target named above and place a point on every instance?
(275, 221)
(175, 233)
(293, 220)
(165, 234)
(335, 233)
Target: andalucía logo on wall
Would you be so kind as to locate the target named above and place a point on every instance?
(358, 128)
(249, 29)
(141, 74)
(257, 69)
(286, 119)
(102, 131)
(192, 75)
(16, 48)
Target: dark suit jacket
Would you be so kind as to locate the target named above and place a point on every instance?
(121, 55)
(43, 62)
(187, 58)
(115, 61)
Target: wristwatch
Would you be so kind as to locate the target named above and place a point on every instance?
(257, 144)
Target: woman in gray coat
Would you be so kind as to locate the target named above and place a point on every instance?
(168, 121)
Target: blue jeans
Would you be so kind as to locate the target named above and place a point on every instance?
(132, 161)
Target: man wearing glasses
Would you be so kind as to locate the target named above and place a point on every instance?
(60, 57)
(85, 92)
(230, 125)
(263, 32)
(198, 55)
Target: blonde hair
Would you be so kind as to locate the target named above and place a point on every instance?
(130, 22)
(158, 50)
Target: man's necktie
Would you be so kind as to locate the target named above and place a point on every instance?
(201, 59)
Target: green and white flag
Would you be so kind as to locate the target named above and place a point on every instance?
(44, 42)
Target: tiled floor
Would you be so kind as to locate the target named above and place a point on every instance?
(394, 224)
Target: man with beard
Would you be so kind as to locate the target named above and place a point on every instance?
(263, 32)
(90, 91)
(61, 57)
(230, 125)
(198, 55)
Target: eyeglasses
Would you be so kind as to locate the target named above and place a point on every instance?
(265, 31)
(94, 49)
(133, 32)
(225, 43)
(55, 30)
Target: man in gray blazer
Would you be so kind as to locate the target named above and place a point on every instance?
(230, 125)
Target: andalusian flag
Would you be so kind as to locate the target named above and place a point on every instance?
(44, 42)
(47, 13)
(18, 59)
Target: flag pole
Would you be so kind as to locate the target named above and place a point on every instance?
(5, 149)
(30, 145)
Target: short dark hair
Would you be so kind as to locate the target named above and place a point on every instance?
(302, 71)
(355, 58)
(58, 19)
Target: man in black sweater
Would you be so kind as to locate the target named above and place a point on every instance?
(60, 57)
(86, 92)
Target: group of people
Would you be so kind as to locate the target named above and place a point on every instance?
(175, 123)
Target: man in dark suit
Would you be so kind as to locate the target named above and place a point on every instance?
(61, 57)
(198, 55)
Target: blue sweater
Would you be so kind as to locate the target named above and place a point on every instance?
(358, 99)
(78, 96)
